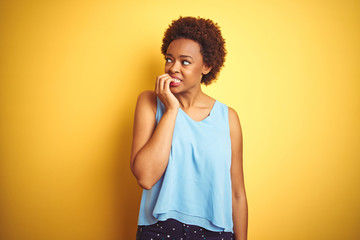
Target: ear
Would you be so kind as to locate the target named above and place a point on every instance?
(206, 69)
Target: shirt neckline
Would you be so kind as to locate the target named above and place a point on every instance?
(207, 117)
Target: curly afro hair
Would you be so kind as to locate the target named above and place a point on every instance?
(207, 34)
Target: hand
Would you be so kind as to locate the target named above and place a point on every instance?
(162, 90)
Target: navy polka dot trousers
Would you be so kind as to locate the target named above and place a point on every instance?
(172, 229)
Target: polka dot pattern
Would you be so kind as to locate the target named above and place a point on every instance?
(172, 229)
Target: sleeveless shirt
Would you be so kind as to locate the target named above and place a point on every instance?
(196, 185)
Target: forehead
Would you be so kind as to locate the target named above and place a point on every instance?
(184, 46)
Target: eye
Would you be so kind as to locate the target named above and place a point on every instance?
(168, 60)
(185, 62)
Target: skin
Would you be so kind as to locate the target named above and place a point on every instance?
(151, 145)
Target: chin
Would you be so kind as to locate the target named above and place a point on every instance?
(175, 90)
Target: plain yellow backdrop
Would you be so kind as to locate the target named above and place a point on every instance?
(70, 73)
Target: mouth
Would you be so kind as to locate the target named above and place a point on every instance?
(175, 77)
(175, 82)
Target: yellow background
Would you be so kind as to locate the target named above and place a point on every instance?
(70, 73)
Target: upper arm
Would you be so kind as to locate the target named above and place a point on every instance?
(237, 174)
(144, 122)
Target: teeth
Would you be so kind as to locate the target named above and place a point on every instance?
(176, 80)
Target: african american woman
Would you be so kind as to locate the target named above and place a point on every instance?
(187, 146)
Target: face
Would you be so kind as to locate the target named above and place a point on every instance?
(183, 61)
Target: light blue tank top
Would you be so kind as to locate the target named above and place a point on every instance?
(196, 185)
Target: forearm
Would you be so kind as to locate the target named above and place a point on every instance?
(240, 217)
(151, 161)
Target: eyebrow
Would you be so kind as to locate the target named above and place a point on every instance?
(168, 54)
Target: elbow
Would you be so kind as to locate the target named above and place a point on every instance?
(144, 179)
(140, 180)
(145, 184)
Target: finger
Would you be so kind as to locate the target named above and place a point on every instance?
(157, 86)
(163, 75)
(158, 83)
(167, 85)
(161, 85)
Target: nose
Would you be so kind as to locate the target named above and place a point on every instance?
(175, 67)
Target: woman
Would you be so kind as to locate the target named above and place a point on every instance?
(187, 146)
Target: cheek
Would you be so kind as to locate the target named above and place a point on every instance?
(197, 71)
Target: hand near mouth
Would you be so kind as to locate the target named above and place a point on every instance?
(162, 90)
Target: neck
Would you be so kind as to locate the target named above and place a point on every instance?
(190, 98)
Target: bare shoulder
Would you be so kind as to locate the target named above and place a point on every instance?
(147, 99)
(234, 121)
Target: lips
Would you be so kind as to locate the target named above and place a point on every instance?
(176, 82)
